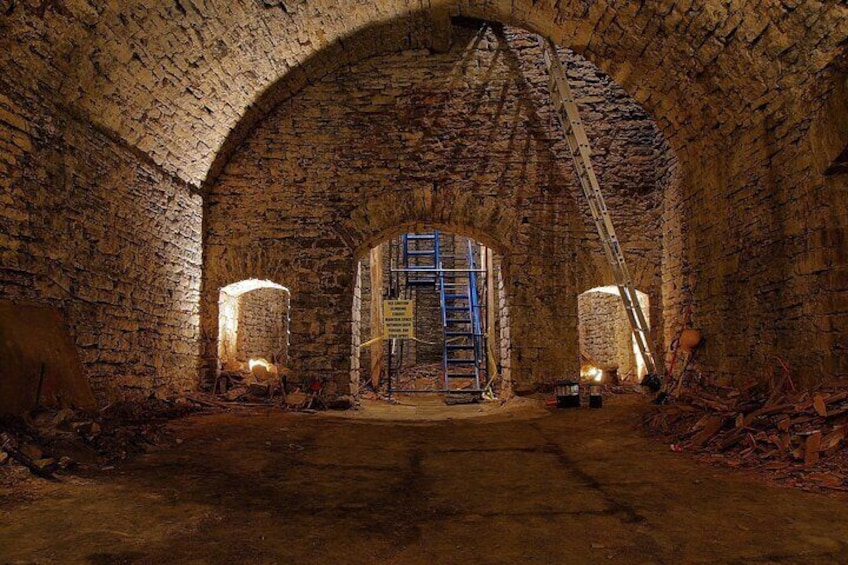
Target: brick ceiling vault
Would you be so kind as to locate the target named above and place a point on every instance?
(184, 80)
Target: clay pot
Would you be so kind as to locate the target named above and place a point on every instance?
(689, 339)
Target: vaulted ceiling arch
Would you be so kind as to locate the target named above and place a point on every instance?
(183, 80)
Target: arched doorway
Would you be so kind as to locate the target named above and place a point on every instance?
(459, 327)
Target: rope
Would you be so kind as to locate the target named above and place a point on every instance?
(376, 340)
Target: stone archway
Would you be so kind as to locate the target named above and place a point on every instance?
(139, 106)
(418, 362)
(466, 146)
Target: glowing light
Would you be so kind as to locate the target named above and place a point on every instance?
(591, 372)
(611, 289)
(258, 362)
(641, 368)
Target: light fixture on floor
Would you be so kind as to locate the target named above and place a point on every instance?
(567, 394)
(596, 399)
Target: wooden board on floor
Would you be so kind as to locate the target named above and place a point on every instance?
(32, 335)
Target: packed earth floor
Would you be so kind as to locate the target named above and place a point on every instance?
(420, 484)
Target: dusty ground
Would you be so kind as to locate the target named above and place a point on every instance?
(514, 485)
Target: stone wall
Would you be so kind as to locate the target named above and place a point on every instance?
(755, 237)
(604, 339)
(748, 94)
(461, 141)
(93, 227)
(263, 325)
(504, 342)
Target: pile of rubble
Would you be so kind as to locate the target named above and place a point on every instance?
(421, 377)
(265, 384)
(261, 382)
(795, 437)
(48, 441)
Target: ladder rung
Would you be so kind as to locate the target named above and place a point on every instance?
(462, 376)
(462, 361)
(420, 236)
(460, 347)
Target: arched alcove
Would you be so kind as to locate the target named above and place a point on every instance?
(606, 338)
(253, 323)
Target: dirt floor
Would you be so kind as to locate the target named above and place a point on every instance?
(420, 484)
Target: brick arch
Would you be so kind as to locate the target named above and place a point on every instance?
(230, 318)
(326, 176)
(828, 136)
(503, 287)
(746, 160)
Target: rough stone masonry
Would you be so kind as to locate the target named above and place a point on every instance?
(462, 139)
(116, 116)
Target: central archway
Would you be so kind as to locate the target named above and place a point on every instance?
(466, 147)
(460, 337)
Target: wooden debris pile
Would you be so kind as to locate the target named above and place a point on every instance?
(266, 384)
(796, 437)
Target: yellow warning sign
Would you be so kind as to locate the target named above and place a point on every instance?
(398, 319)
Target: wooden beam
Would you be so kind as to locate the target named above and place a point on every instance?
(376, 268)
(440, 21)
(491, 300)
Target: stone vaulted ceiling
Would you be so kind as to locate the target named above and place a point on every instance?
(184, 80)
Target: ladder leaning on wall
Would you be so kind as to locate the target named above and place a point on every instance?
(578, 143)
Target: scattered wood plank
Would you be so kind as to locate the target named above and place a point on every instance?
(207, 403)
(777, 429)
(710, 428)
(812, 448)
(819, 405)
